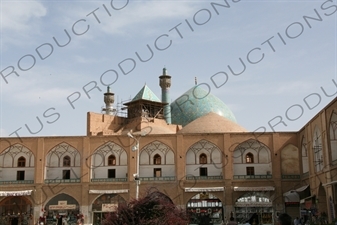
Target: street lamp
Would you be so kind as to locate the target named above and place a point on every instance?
(136, 175)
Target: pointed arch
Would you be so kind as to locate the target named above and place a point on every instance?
(66, 161)
(333, 135)
(101, 155)
(56, 155)
(206, 147)
(16, 204)
(156, 148)
(17, 163)
(157, 159)
(21, 162)
(209, 155)
(109, 161)
(204, 203)
(54, 201)
(317, 149)
(203, 158)
(261, 153)
(305, 161)
(9, 157)
(112, 160)
(59, 160)
(251, 158)
(100, 200)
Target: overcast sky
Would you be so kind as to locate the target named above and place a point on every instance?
(266, 60)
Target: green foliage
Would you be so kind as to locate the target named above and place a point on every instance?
(153, 209)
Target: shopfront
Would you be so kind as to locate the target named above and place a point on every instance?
(61, 208)
(16, 208)
(205, 207)
(254, 206)
(105, 204)
(292, 203)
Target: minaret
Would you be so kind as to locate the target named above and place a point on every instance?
(109, 99)
(165, 84)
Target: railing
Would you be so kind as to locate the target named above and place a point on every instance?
(3, 182)
(291, 177)
(157, 178)
(191, 177)
(109, 180)
(238, 177)
(49, 181)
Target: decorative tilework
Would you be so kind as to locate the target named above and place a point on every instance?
(196, 103)
(146, 94)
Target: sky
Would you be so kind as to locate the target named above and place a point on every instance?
(273, 63)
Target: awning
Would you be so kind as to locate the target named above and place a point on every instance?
(291, 196)
(108, 191)
(208, 189)
(302, 188)
(16, 193)
(266, 188)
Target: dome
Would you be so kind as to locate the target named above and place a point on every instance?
(196, 103)
(212, 123)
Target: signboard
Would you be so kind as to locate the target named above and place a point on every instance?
(267, 188)
(253, 204)
(62, 207)
(109, 207)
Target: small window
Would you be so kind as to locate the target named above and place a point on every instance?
(203, 159)
(203, 172)
(111, 173)
(250, 171)
(66, 161)
(157, 160)
(249, 158)
(66, 174)
(21, 162)
(20, 175)
(112, 160)
(157, 172)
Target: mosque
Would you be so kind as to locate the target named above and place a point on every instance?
(191, 150)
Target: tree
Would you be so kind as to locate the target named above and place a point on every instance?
(153, 209)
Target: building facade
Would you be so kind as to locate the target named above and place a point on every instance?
(191, 150)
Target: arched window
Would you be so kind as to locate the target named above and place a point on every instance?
(203, 159)
(157, 160)
(66, 161)
(249, 158)
(112, 160)
(21, 162)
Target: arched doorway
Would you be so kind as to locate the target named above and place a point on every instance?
(254, 207)
(104, 204)
(60, 207)
(16, 210)
(205, 208)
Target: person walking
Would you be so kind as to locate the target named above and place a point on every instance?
(296, 221)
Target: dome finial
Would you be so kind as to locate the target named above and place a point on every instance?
(195, 80)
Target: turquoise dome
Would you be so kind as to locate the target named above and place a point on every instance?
(196, 103)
